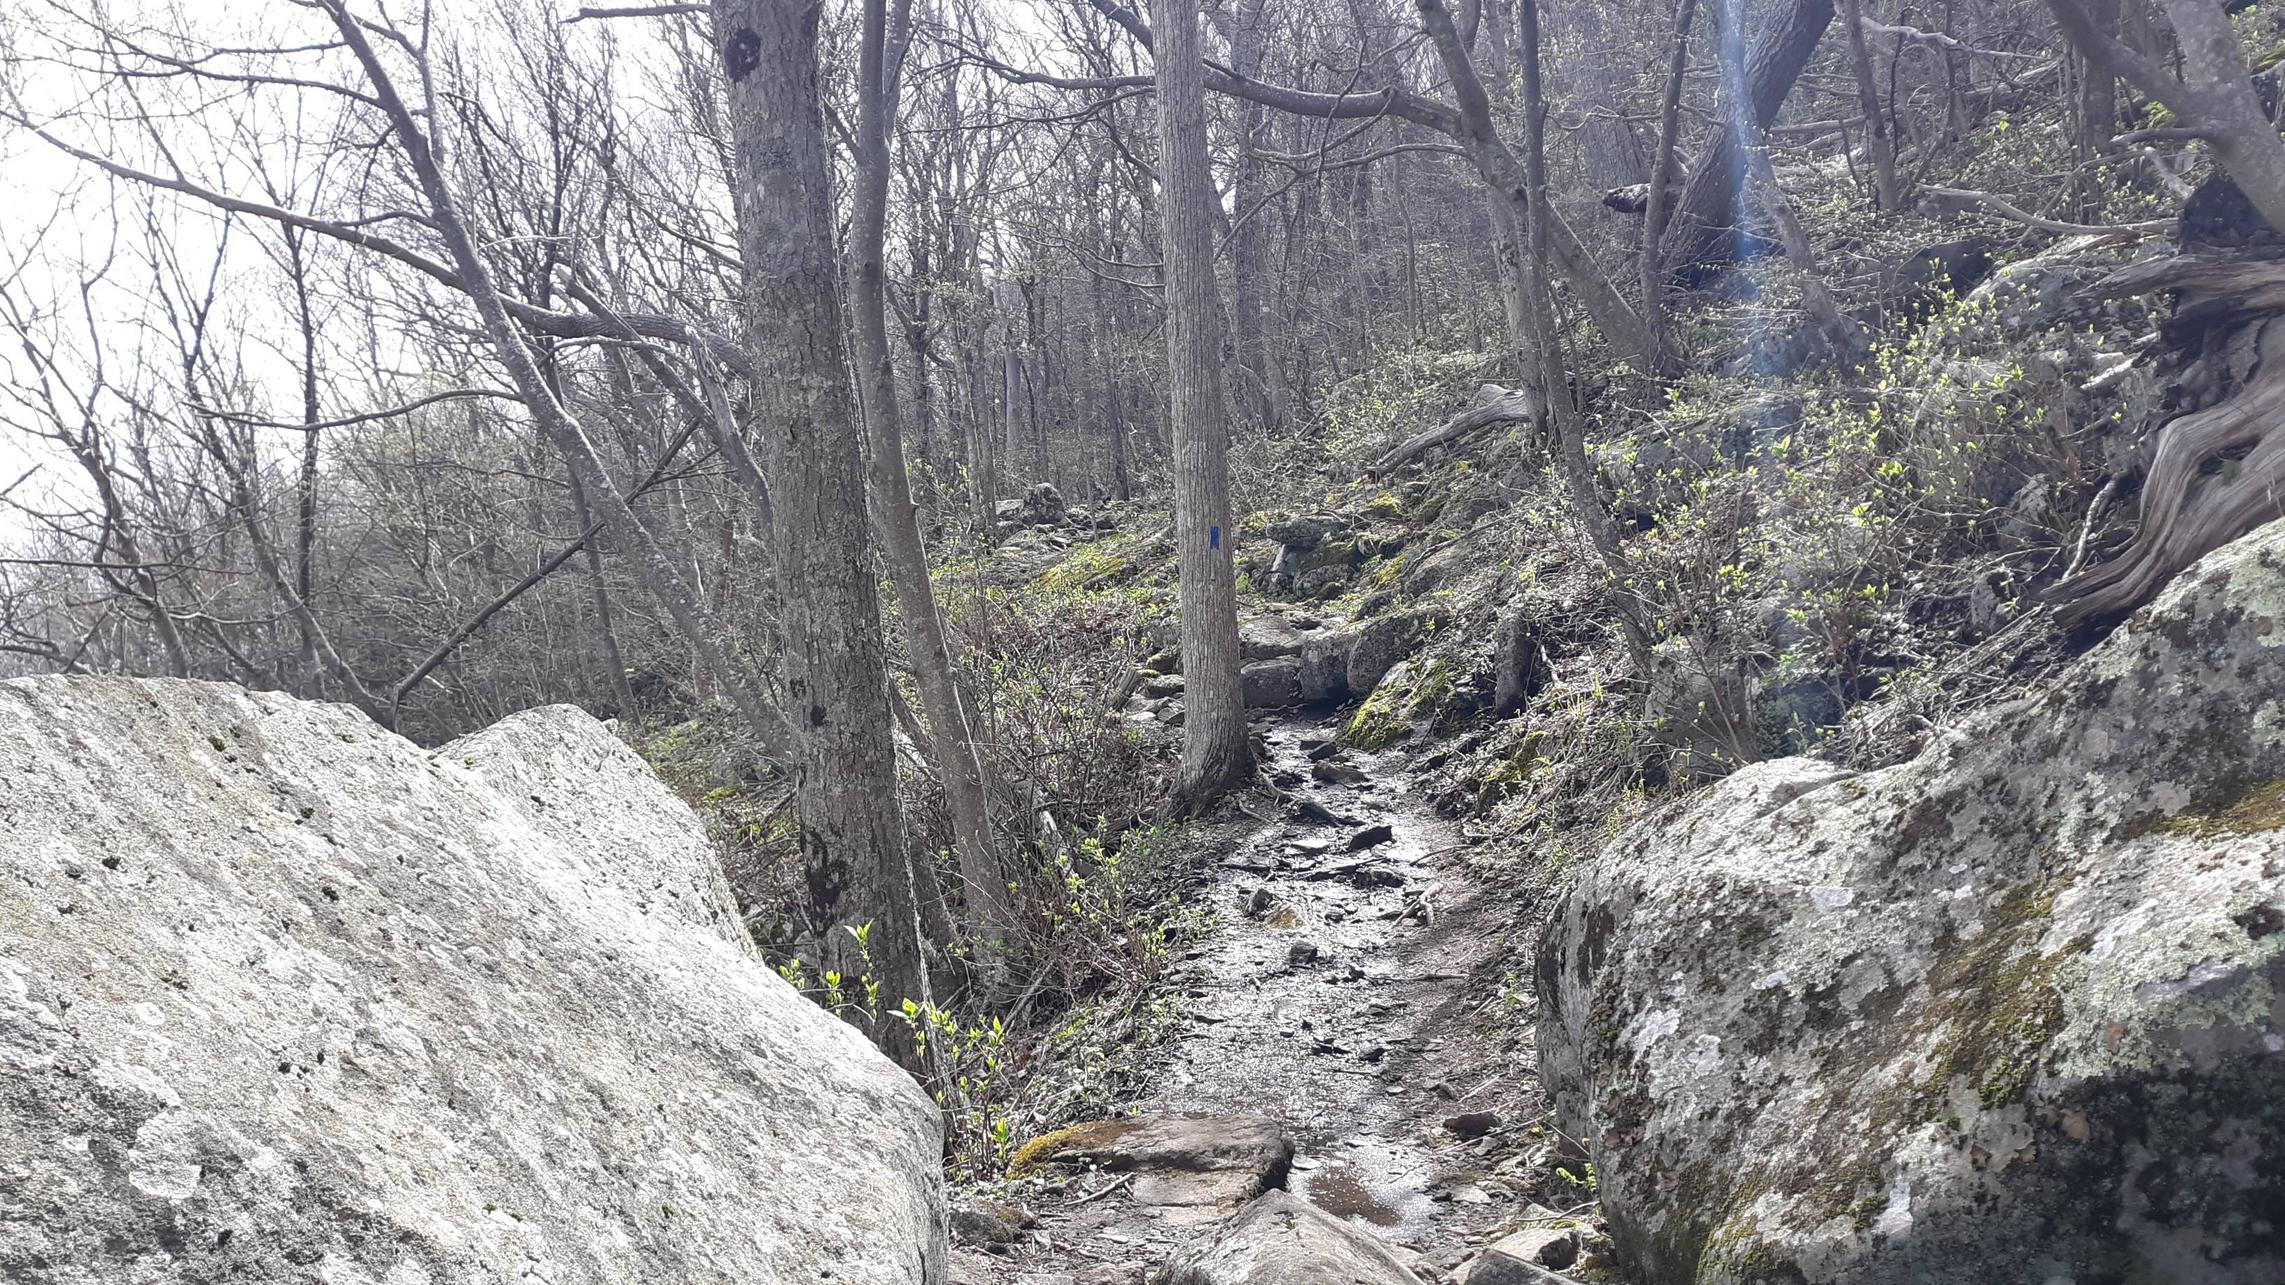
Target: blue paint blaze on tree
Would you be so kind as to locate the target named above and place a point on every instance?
(1213, 537)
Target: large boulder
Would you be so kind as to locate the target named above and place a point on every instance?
(1324, 674)
(1379, 645)
(1268, 638)
(2049, 289)
(2013, 1010)
(1271, 684)
(1043, 506)
(285, 998)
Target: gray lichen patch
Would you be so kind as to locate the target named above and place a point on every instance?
(2016, 1002)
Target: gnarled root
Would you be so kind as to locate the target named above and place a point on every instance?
(2218, 472)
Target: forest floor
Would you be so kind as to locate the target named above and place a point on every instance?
(1350, 988)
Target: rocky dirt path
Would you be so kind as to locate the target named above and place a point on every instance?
(1351, 990)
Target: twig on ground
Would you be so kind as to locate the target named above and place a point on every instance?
(1104, 1190)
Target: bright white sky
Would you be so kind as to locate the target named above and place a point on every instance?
(43, 257)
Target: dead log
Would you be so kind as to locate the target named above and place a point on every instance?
(2217, 471)
(1634, 198)
(1494, 405)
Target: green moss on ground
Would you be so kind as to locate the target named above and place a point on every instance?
(1043, 1150)
(2257, 811)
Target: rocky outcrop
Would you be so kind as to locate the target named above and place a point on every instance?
(285, 998)
(1547, 1239)
(2010, 1009)
(1042, 505)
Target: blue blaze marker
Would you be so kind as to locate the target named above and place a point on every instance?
(1213, 537)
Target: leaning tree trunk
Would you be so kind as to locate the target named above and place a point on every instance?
(1658, 202)
(1760, 183)
(1216, 753)
(1705, 216)
(836, 678)
(554, 421)
(2218, 471)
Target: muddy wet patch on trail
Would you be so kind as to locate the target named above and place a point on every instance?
(1346, 991)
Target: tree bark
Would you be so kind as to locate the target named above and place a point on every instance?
(1752, 147)
(2214, 96)
(1510, 185)
(599, 601)
(1658, 208)
(949, 725)
(1555, 395)
(305, 482)
(1216, 752)
(472, 276)
(1877, 140)
(1704, 217)
(852, 833)
(2218, 471)
(1249, 249)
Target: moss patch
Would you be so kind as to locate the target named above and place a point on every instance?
(1433, 690)
(1047, 1148)
(1380, 721)
(1086, 567)
(1331, 555)
(2005, 999)
(2257, 811)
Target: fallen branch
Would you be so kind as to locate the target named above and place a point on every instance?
(2087, 528)
(1104, 1190)
(634, 11)
(2007, 209)
(1938, 40)
(1494, 405)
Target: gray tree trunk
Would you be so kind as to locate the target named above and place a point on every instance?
(1877, 141)
(836, 680)
(951, 735)
(667, 581)
(1216, 753)
(1703, 217)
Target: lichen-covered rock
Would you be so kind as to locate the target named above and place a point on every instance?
(1380, 644)
(1268, 638)
(1043, 506)
(1324, 659)
(285, 998)
(1271, 684)
(2014, 1009)
(1302, 532)
(1547, 1239)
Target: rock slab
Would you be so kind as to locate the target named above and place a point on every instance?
(285, 998)
(1281, 1239)
(2014, 1007)
(1195, 1161)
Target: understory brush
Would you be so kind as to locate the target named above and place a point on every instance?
(1053, 637)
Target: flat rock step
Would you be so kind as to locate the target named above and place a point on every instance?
(1189, 1161)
